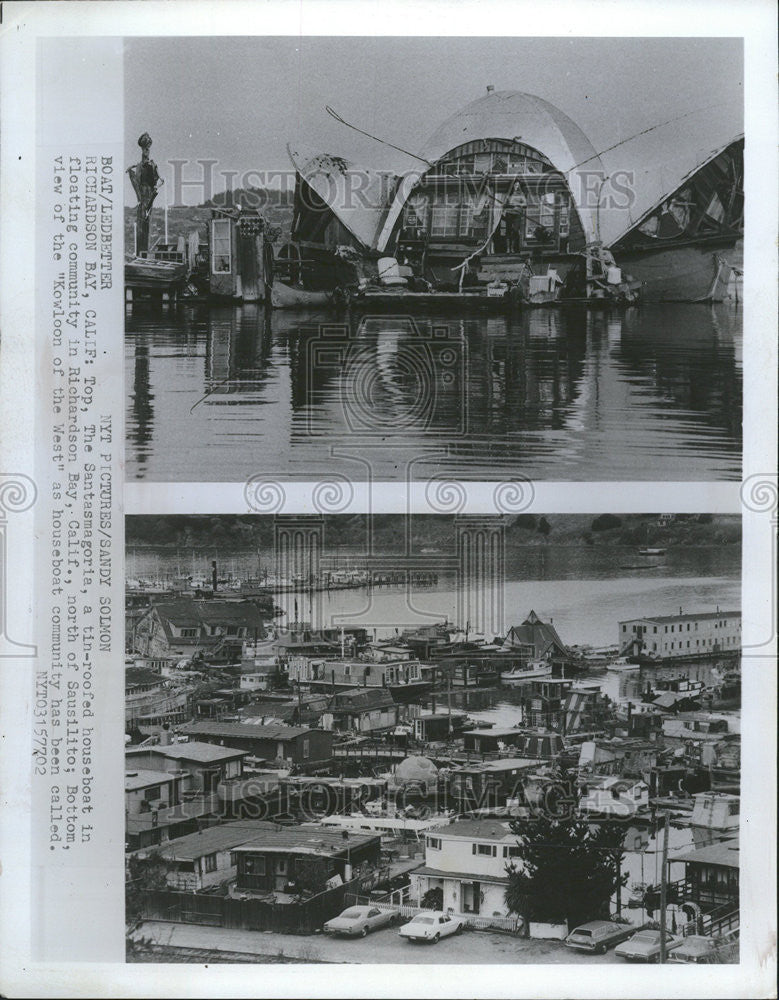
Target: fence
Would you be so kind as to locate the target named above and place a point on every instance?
(303, 917)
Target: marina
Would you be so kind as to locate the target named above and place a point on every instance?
(397, 751)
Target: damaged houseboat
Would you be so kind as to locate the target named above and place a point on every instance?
(507, 208)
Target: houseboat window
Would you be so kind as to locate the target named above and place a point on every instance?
(209, 863)
(444, 220)
(434, 843)
(485, 850)
(220, 246)
(306, 747)
(188, 633)
(416, 212)
(254, 866)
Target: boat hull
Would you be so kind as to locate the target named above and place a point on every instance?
(141, 272)
(681, 274)
(288, 297)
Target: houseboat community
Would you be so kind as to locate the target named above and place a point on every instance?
(301, 780)
(509, 205)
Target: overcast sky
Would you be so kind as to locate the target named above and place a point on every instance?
(240, 100)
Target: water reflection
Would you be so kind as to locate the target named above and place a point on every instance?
(218, 393)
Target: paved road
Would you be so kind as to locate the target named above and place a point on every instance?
(470, 947)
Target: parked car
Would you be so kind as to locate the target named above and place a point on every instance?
(697, 950)
(357, 921)
(645, 946)
(598, 936)
(431, 925)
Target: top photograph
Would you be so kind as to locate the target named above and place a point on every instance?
(398, 258)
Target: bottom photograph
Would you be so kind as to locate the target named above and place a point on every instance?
(433, 738)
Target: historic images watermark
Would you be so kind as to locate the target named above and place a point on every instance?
(342, 186)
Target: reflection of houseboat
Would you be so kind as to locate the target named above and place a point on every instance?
(505, 201)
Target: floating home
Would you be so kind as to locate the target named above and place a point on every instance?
(240, 259)
(514, 193)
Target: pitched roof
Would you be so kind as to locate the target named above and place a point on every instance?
(534, 632)
(215, 612)
(180, 612)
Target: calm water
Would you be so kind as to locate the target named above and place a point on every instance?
(581, 588)
(219, 394)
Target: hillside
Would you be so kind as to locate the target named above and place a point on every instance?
(239, 533)
(276, 206)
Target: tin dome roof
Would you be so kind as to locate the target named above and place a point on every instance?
(514, 116)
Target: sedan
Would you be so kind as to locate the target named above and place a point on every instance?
(356, 921)
(598, 935)
(696, 950)
(431, 925)
(645, 946)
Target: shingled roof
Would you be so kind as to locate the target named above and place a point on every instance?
(536, 633)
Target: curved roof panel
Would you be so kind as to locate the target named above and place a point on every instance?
(512, 115)
(357, 195)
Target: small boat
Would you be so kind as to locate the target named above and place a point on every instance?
(651, 552)
(534, 669)
(284, 296)
(622, 664)
(682, 686)
(146, 272)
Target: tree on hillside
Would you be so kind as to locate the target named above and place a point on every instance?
(566, 870)
(604, 522)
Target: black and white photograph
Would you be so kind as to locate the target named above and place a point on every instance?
(388, 499)
(465, 256)
(523, 730)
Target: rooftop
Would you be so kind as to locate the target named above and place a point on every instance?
(669, 619)
(200, 752)
(307, 840)
(464, 876)
(493, 732)
(246, 730)
(143, 778)
(221, 837)
(478, 829)
(506, 764)
(724, 854)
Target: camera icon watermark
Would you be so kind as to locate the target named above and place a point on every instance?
(394, 375)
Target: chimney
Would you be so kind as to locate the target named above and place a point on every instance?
(490, 88)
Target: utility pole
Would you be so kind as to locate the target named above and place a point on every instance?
(664, 892)
(449, 699)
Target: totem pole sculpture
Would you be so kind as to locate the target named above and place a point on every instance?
(146, 181)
